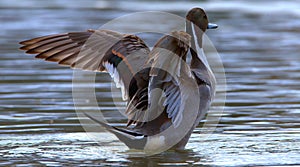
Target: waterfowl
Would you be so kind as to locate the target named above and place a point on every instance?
(138, 71)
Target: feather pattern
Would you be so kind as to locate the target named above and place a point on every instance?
(121, 55)
(167, 67)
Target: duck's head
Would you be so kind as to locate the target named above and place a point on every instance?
(196, 24)
(198, 17)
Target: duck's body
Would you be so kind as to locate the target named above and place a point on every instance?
(138, 72)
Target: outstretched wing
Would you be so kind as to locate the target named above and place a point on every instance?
(167, 71)
(120, 55)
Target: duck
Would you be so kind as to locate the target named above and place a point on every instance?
(163, 93)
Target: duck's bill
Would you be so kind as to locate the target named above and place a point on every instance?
(212, 26)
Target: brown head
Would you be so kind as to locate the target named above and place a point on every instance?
(198, 17)
(196, 24)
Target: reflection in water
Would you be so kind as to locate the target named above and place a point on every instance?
(260, 124)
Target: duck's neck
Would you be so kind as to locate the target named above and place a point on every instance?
(199, 60)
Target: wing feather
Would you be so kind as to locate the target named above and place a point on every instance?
(56, 56)
(121, 55)
(168, 67)
(40, 39)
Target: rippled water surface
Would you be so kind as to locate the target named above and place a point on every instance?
(258, 42)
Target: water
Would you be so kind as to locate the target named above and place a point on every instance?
(259, 45)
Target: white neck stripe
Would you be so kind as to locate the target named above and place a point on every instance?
(200, 51)
(194, 34)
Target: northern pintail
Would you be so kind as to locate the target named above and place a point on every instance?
(135, 69)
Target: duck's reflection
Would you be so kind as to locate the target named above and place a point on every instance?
(170, 158)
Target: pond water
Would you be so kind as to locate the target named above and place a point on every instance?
(258, 42)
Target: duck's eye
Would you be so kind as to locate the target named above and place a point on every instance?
(205, 17)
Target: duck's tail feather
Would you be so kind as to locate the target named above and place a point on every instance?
(131, 139)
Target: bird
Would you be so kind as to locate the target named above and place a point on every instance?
(139, 72)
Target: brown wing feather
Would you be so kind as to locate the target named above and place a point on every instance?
(58, 47)
(56, 56)
(163, 56)
(97, 50)
(39, 39)
(168, 69)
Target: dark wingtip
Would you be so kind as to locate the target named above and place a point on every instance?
(22, 43)
(32, 51)
(23, 47)
(26, 42)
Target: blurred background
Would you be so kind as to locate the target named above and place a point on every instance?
(258, 41)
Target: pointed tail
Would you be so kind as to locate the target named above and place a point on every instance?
(131, 139)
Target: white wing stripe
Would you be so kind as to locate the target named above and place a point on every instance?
(113, 72)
